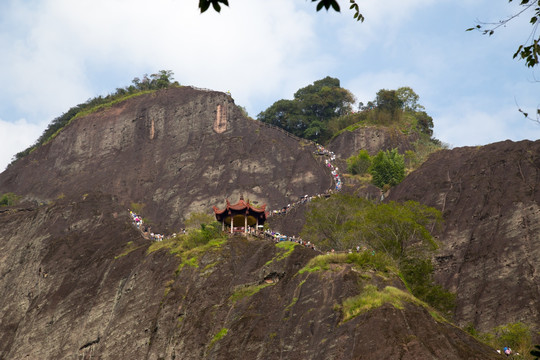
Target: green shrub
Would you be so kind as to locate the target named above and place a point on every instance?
(517, 336)
(9, 199)
(359, 164)
(247, 291)
(387, 168)
(418, 276)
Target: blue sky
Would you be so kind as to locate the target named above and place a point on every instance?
(59, 53)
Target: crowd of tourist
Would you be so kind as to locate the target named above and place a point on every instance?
(277, 237)
(321, 150)
(145, 229)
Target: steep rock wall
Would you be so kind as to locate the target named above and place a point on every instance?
(490, 200)
(77, 282)
(176, 151)
(371, 138)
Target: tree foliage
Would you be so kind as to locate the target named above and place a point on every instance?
(388, 100)
(321, 4)
(344, 221)
(517, 336)
(160, 80)
(391, 106)
(9, 199)
(530, 50)
(418, 274)
(309, 113)
(387, 168)
(359, 164)
(400, 232)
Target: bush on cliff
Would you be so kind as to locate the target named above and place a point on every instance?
(399, 232)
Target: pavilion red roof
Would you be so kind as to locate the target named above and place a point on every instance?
(239, 206)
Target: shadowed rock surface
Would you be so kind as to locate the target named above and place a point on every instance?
(78, 283)
(489, 197)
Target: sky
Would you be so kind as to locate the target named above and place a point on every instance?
(55, 54)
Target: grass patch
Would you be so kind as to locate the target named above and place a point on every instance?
(189, 247)
(287, 246)
(372, 298)
(364, 260)
(218, 336)
(130, 246)
(247, 291)
(293, 302)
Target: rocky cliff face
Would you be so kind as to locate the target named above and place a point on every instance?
(373, 139)
(489, 197)
(78, 282)
(176, 151)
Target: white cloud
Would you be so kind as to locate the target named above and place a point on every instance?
(58, 53)
(16, 137)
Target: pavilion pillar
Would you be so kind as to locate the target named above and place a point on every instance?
(223, 224)
(232, 224)
(245, 224)
(257, 226)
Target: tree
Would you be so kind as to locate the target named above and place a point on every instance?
(359, 164)
(409, 99)
(397, 229)
(387, 168)
(343, 221)
(530, 50)
(424, 123)
(309, 113)
(331, 223)
(388, 100)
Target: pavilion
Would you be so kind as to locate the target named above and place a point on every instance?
(242, 214)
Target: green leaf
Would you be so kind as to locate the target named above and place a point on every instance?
(320, 5)
(335, 5)
(204, 5)
(518, 50)
(216, 6)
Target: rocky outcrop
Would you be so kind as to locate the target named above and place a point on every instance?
(490, 239)
(176, 151)
(78, 282)
(373, 139)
